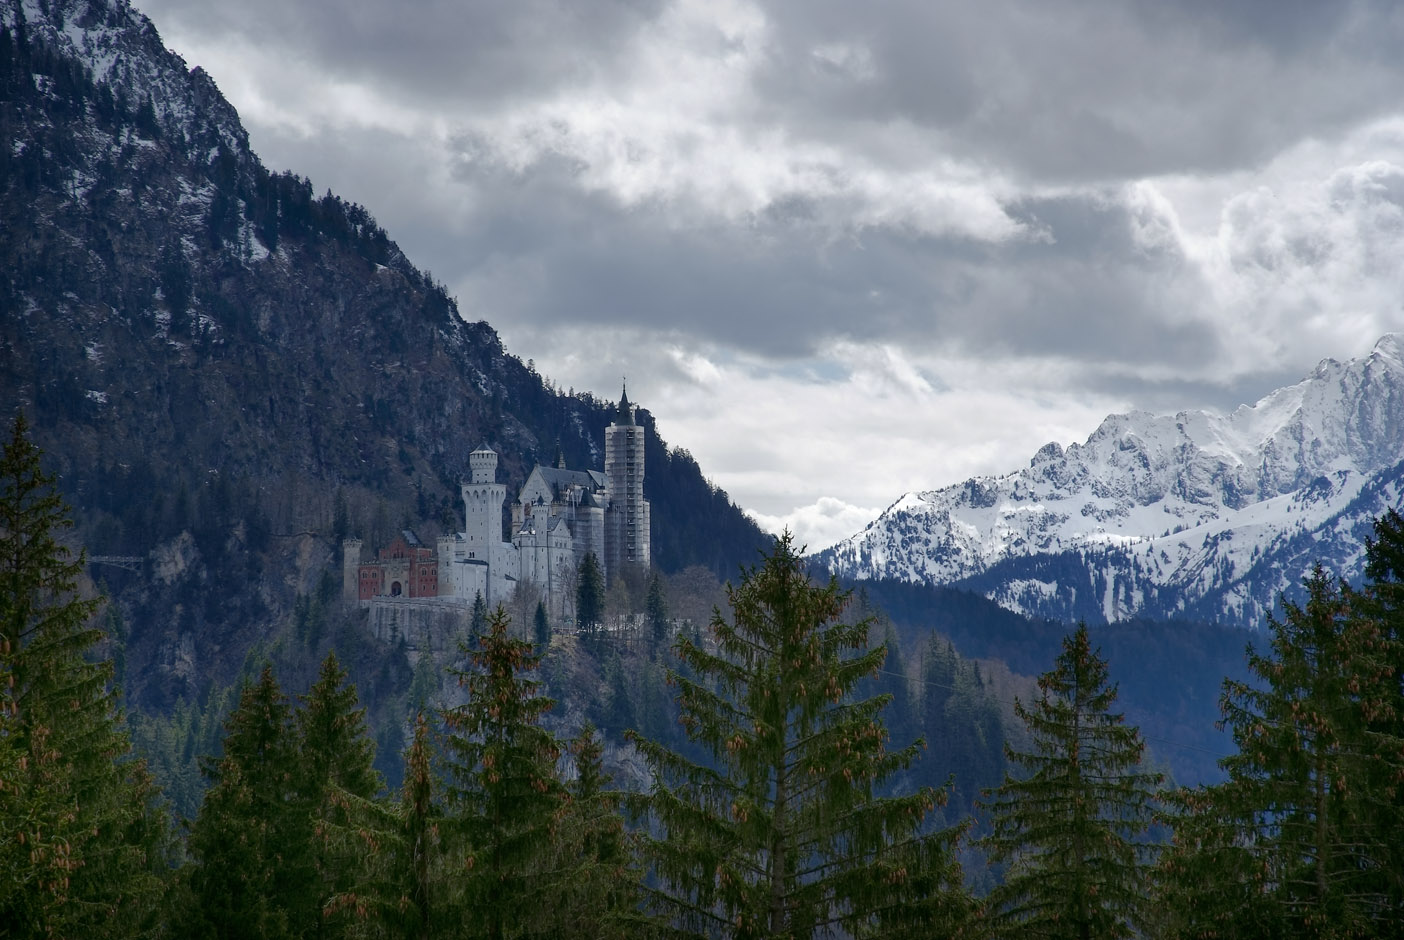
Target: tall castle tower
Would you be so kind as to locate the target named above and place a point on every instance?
(483, 497)
(627, 519)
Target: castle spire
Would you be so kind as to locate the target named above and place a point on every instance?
(626, 410)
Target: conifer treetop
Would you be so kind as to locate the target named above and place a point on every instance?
(785, 835)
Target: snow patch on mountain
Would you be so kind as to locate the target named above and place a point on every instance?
(120, 47)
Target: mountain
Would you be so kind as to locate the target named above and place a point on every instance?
(1195, 515)
(229, 372)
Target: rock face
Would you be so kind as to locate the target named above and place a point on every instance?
(220, 364)
(1194, 514)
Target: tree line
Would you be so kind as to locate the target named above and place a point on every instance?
(783, 817)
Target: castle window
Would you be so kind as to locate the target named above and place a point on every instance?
(395, 589)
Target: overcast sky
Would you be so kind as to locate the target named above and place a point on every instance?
(847, 250)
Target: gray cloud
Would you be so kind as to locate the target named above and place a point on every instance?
(429, 50)
(539, 250)
(1070, 90)
(1064, 90)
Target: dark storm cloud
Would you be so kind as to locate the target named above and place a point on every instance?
(784, 286)
(1073, 90)
(1062, 90)
(429, 50)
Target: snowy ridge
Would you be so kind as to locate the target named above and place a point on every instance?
(1195, 513)
(120, 47)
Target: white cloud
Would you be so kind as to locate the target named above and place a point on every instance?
(821, 524)
(1301, 258)
(865, 422)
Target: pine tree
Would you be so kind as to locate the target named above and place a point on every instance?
(85, 850)
(657, 608)
(541, 628)
(1296, 841)
(401, 886)
(504, 792)
(336, 762)
(892, 682)
(784, 836)
(594, 883)
(1380, 605)
(589, 595)
(251, 840)
(1071, 826)
(478, 622)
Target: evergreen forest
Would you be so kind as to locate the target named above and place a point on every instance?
(800, 774)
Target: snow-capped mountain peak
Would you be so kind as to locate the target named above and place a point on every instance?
(1174, 514)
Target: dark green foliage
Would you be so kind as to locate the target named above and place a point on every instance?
(589, 595)
(656, 608)
(420, 836)
(784, 836)
(593, 883)
(1168, 673)
(251, 843)
(424, 689)
(961, 723)
(265, 858)
(1381, 605)
(336, 764)
(478, 625)
(1298, 840)
(541, 627)
(1071, 826)
(174, 746)
(82, 851)
(901, 719)
(401, 885)
(503, 791)
(618, 712)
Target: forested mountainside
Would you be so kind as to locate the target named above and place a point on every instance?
(1170, 674)
(228, 371)
(1195, 516)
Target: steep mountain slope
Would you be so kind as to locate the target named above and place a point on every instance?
(1192, 515)
(229, 372)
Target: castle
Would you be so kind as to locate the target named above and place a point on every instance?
(558, 517)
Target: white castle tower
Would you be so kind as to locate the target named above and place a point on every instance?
(483, 498)
(477, 560)
(627, 518)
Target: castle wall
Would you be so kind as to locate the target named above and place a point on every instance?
(505, 570)
(589, 533)
(425, 625)
(400, 570)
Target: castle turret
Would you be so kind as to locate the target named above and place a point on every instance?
(483, 464)
(627, 542)
(483, 498)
